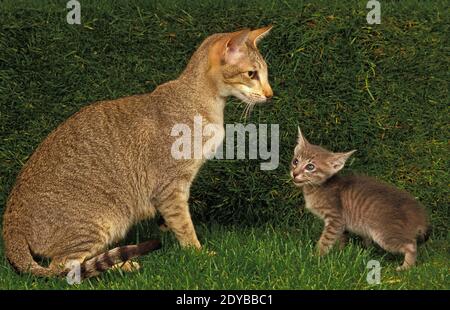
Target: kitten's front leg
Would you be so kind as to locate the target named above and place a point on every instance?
(343, 240)
(175, 211)
(333, 230)
(367, 241)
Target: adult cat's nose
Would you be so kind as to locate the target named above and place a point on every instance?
(268, 93)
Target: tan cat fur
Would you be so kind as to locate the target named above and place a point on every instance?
(109, 166)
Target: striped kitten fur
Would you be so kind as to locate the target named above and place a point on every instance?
(373, 210)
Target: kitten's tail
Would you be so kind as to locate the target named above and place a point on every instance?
(100, 263)
(424, 234)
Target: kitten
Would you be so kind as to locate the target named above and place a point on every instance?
(374, 210)
(110, 165)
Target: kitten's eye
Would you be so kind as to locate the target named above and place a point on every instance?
(295, 162)
(310, 167)
(252, 74)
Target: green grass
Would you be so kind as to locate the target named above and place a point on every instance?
(259, 258)
(381, 89)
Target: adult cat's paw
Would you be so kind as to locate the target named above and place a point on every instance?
(210, 253)
(127, 266)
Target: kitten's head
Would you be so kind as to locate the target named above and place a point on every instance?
(312, 164)
(238, 68)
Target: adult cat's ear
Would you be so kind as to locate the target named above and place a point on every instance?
(256, 35)
(338, 160)
(301, 140)
(234, 47)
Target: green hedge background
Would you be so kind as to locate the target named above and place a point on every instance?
(382, 89)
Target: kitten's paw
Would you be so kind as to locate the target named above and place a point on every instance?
(403, 267)
(322, 251)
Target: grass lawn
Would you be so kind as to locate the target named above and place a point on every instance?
(380, 89)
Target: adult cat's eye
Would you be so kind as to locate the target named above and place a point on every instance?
(310, 167)
(295, 162)
(252, 74)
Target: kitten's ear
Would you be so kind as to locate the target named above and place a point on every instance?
(301, 140)
(338, 160)
(234, 46)
(257, 34)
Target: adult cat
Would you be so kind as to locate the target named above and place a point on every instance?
(110, 165)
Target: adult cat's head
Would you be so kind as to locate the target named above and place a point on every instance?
(239, 68)
(234, 65)
(312, 164)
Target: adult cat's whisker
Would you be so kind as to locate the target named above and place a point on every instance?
(245, 111)
(250, 109)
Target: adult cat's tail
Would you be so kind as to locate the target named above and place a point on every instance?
(19, 256)
(97, 264)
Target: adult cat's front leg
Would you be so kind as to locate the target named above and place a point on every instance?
(175, 211)
(333, 230)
